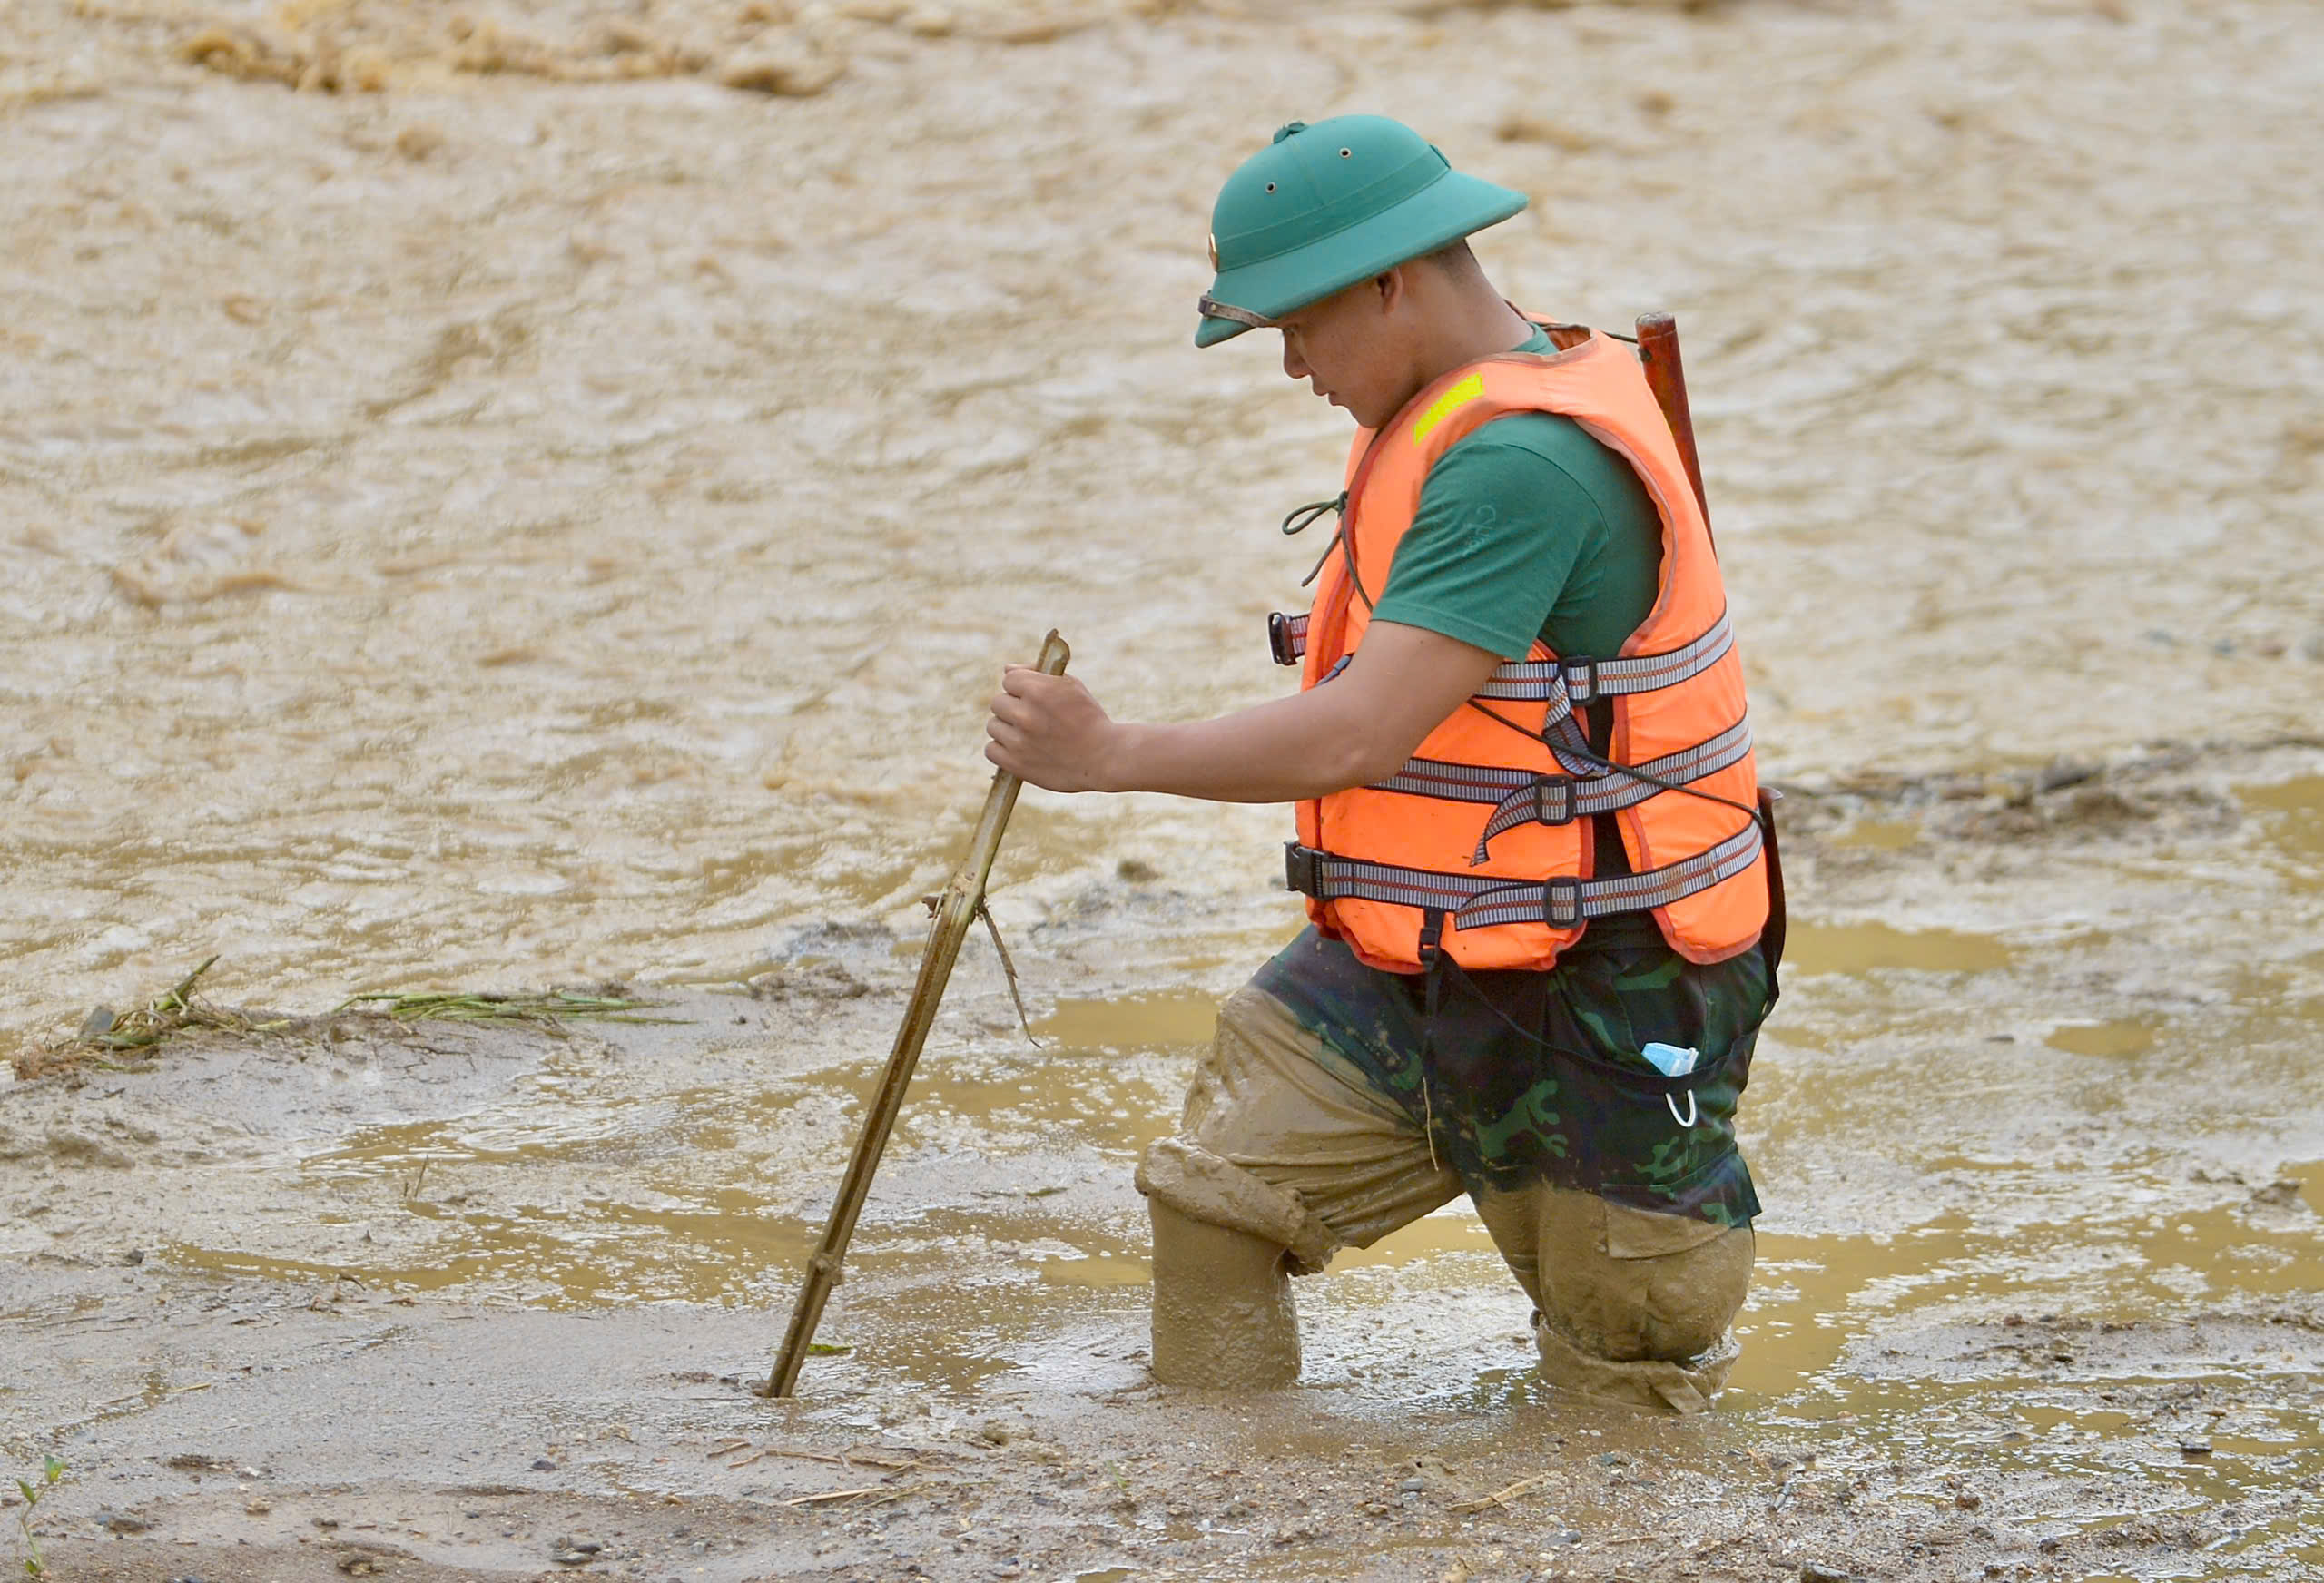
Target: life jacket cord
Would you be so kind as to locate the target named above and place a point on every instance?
(1433, 953)
(1316, 570)
(1607, 766)
(1355, 577)
(1300, 518)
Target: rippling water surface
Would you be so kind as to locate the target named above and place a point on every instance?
(503, 530)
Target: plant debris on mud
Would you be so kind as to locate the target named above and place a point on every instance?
(549, 1007)
(105, 1031)
(177, 1010)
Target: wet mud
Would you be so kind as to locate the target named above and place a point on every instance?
(499, 497)
(2034, 1292)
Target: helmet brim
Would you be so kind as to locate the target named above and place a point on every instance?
(1451, 207)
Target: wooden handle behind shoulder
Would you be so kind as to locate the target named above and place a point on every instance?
(1665, 375)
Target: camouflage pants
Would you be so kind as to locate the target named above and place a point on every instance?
(1331, 1109)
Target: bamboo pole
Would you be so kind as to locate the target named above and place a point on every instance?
(956, 910)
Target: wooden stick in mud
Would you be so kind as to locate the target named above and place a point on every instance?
(963, 897)
(1666, 376)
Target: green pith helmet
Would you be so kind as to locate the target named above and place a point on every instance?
(1324, 206)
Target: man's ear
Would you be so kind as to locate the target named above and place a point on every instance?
(1392, 285)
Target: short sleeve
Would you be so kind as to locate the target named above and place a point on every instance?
(1500, 530)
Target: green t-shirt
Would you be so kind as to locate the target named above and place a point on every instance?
(1529, 527)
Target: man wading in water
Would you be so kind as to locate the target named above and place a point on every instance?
(1526, 816)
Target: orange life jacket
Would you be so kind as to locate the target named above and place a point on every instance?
(1480, 846)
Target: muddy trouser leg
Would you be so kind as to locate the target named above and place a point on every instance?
(1632, 1306)
(1284, 1155)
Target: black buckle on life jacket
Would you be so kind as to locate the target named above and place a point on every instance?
(1299, 868)
(1554, 800)
(1561, 900)
(1432, 947)
(1580, 677)
(1279, 639)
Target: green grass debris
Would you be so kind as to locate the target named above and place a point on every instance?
(105, 1032)
(548, 1007)
(134, 1036)
(175, 1011)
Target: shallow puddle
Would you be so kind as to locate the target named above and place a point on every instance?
(1813, 1296)
(1882, 835)
(2125, 1036)
(1867, 948)
(2311, 1182)
(2294, 813)
(1453, 1229)
(1167, 1019)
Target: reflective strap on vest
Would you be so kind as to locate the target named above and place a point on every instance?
(1560, 684)
(1482, 901)
(1523, 797)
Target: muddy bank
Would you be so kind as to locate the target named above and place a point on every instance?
(2036, 1289)
(674, 1471)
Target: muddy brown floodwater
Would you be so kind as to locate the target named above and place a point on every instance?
(514, 493)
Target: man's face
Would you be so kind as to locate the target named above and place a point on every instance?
(1350, 348)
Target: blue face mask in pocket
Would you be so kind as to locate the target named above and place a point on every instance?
(1670, 1060)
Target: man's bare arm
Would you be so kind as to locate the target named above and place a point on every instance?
(1359, 727)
